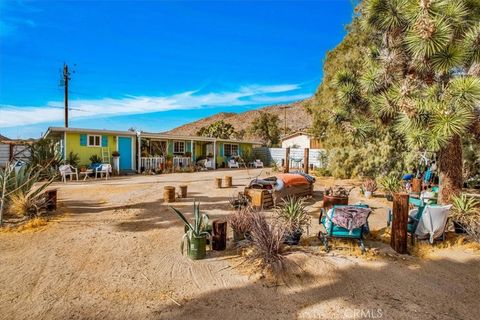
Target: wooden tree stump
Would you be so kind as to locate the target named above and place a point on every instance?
(218, 183)
(51, 196)
(305, 159)
(228, 181)
(219, 235)
(417, 185)
(399, 237)
(169, 194)
(183, 190)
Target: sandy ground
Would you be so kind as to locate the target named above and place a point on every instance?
(114, 254)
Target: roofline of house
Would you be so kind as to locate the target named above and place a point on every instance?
(296, 134)
(159, 136)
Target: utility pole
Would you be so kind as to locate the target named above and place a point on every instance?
(285, 119)
(66, 77)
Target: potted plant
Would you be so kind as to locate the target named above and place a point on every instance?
(95, 160)
(369, 186)
(336, 196)
(196, 234)
(188, 154)
(293, 214)
(116, 161)
(390, 184)
(466, 212)
(241, 223)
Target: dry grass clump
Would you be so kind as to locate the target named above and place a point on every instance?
(24, 204)
(423, 249)
(30, 225)
(267, 244)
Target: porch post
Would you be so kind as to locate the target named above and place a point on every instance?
(191, 150)
(214, 154)
(139, 151)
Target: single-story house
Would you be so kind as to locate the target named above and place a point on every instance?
(301, 140)
(89, 142)
(144, 150)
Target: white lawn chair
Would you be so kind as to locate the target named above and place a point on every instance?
(68, 170)
(233, 164)
(103, 169)
(258, 163)
(432, 222)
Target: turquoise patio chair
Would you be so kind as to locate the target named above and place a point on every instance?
(334, 231)
(414, 219)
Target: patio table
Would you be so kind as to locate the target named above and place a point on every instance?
(86, 173)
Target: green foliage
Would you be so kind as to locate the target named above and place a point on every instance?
(45, 156)
(403, 79)
(73, 159)
(95, 158)
(390, 183)
(22, 191)
(196, 229)
(218, 129)
(266, 126)
(293, 214)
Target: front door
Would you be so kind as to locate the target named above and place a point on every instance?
(125, 150)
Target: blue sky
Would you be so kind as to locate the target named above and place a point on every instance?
(155, 65)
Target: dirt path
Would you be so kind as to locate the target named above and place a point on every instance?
(115, 255)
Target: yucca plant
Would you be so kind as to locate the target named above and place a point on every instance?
(390, 184)
(196, 233)
(420, 77)
(293, 214)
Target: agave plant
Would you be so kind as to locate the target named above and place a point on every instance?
(390, 184)
(22, 190)
(293, 214)
(466, 212)
(196, 233)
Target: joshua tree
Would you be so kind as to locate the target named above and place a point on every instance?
(422, 76)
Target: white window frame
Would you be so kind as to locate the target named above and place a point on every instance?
(95, 136)
(231, 150)
(178, 144)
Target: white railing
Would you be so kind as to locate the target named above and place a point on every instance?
(181, 162)
(151, 163)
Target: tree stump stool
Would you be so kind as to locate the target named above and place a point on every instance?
(219, 235)
(399, 238)
(228, 181)
(51, 196)
(183, 190)
(169, 194)
(218, 183)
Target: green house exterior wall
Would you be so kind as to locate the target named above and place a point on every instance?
(85, 152)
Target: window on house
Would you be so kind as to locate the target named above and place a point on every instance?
(179, 147)
(230, 150)
(94, 141)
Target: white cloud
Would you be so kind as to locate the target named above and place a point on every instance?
(12, 116)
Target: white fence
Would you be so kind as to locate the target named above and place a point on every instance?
(13, 152)
(151, 163)
(317, 157)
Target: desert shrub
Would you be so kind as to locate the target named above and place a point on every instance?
(241, 220)
(45, 156)
(73, 159)
(267, 243)
(369, 185)
(466, 211)
(293, 214)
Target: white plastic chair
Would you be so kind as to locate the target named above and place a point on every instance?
(233, 164)
(258, 163)
(68, 170)
(103, 169)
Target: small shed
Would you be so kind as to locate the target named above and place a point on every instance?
(301, 140)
